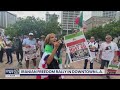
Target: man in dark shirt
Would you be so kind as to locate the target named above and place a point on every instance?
(17, 47)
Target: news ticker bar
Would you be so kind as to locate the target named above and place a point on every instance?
(54, 71)
(29, 72)
(61, 71)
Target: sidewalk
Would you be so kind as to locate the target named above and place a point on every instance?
(79, 65)
(4, 66)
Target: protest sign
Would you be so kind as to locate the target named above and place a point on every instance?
(113, 67)
(77, 46)
(30, 50)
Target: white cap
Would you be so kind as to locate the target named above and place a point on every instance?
(30, 33)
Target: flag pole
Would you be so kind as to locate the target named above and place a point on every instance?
(81, 29)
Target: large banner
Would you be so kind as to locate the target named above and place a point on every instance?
(77, 46)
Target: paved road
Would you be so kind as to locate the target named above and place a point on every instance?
(75, 65)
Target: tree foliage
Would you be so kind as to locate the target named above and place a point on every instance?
(31, 24)
(113, 28)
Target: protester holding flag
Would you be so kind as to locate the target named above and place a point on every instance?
(93, 45)
(49, 59)
(108, 52)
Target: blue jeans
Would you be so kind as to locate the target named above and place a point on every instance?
(9, 55)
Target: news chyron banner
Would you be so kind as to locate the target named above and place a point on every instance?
(23, 72)
(77, 47)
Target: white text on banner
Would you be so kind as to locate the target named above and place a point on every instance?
(60, 71)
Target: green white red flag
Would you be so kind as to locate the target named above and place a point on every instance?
(77, 46)
(79, 20)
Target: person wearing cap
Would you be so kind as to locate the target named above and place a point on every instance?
(29, 45)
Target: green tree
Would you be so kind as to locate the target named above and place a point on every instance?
(113, 28)
(31, 24)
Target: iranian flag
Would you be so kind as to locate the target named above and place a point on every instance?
(76, 46)
(74, 39)
(79, 20)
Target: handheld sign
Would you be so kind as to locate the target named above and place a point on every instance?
(113, 67)
(77, 46)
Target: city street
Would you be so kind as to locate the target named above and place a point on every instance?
(75, 65)
(81, 32)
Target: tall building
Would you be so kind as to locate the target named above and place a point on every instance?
(6, 19)
(97, 13)
(51, 17)
(110, 14)
(96, 21)
(117, 17)
(68, 21)
(47, 16)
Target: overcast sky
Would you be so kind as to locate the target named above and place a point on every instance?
(41, 14)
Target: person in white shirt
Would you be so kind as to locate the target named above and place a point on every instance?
(29, 45)
(8, 49)
(93, 45)
(108, 52)
(41, 43)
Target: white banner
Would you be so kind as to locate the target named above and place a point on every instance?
(60, 71)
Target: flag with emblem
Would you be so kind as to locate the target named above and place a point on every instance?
(77, 46)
